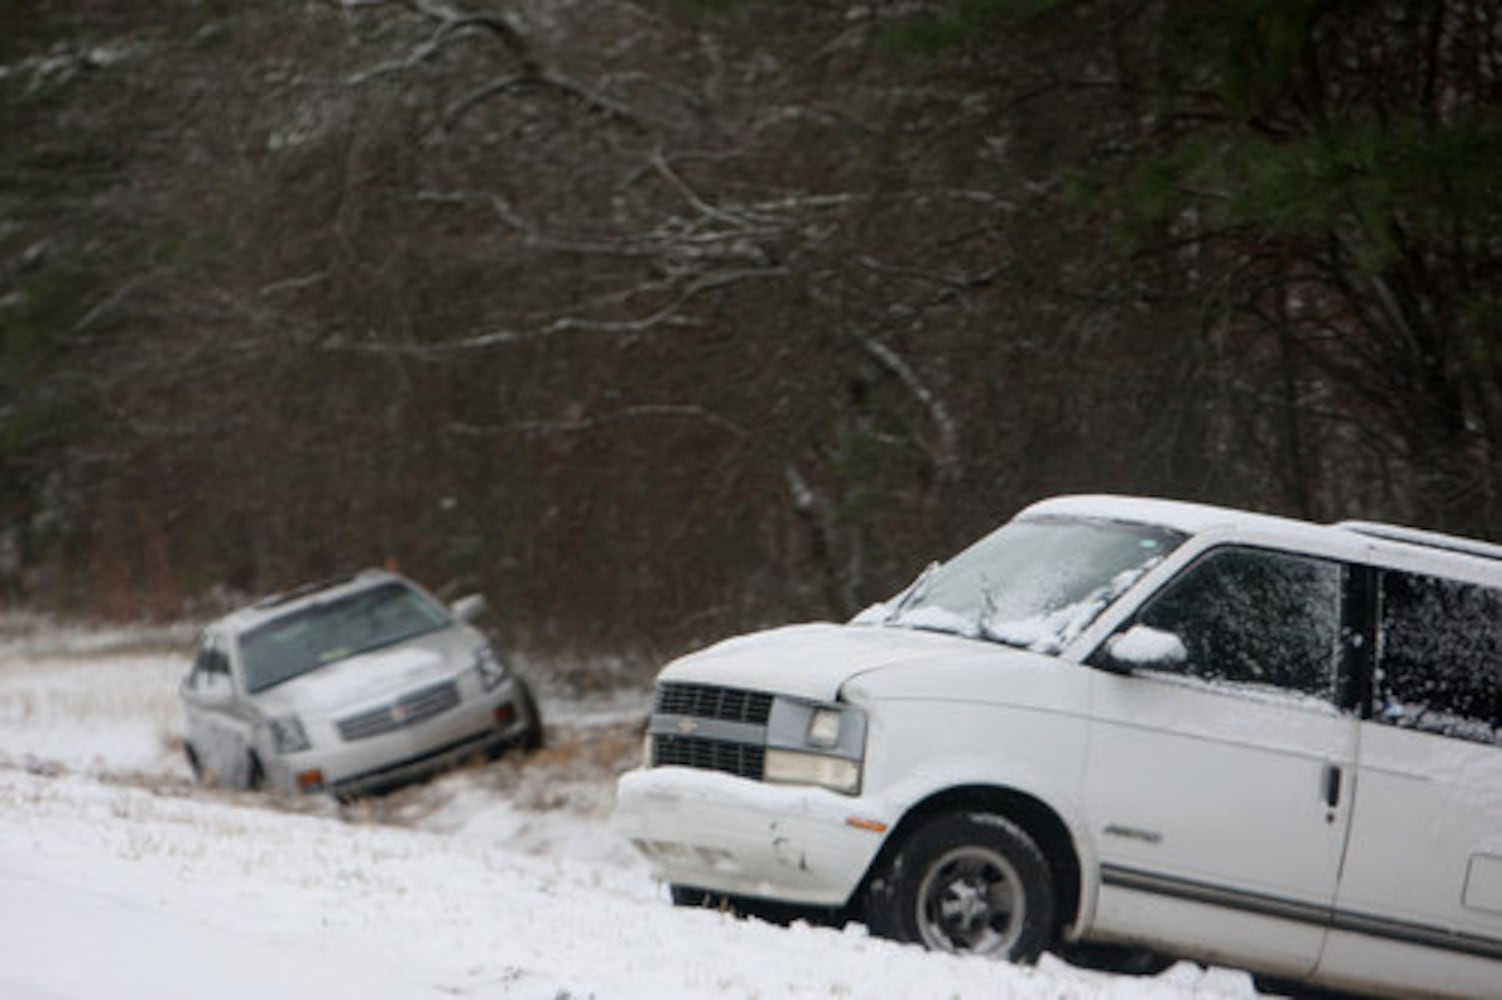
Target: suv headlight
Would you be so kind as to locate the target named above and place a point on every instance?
(489, 666)
(815, 744)
(288, 735)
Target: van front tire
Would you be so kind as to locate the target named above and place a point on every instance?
(967, 883)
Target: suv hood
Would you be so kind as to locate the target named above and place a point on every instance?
(374, 676)
(812, 661)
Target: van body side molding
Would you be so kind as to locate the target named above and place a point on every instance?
(1300, 911)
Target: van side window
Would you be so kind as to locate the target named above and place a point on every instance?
(1250, 616)
(1439, 657)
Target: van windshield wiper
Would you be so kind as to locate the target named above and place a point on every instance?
(911, 595)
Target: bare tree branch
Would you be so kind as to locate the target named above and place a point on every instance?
(947, 460)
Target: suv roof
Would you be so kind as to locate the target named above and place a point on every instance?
(299, 597)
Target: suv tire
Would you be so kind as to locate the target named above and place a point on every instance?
(534, 738)
(255, 774)
(194, 764)
(969, 883)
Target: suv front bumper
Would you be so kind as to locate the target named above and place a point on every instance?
(481, 723)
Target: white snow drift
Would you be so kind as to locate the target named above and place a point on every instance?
(118, 879)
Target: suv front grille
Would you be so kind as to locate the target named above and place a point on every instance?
(408, 710)
(711, 728)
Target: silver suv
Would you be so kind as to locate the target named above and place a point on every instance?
(349, 686)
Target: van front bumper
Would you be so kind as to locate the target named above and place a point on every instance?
(707, 830)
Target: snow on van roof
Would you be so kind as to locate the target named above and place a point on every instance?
(1429, 539)
(1181, 515)
(1194, 518)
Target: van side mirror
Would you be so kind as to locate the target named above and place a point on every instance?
(467, 609)
(1142, 647)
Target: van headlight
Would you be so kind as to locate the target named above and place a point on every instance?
(793, 767)
(810, 743)
(824, 728)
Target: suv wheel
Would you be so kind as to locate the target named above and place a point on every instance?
(193, 763)
(969, 883)
(533, 740)
(255, 774)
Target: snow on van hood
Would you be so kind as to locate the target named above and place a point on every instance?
(812, 660)
(374, 676)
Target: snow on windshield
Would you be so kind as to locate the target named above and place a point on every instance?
(1036, 583)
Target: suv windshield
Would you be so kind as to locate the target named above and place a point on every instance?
(1036, 583)
(325, 633)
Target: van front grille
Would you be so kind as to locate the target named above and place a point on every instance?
(711, 728)
(705, 701)
(741, 759)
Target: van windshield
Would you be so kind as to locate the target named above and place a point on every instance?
(334, 630)
(1036, 583)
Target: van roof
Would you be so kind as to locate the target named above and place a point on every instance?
(1195, 518)
(1430, 539)
(1181, 515)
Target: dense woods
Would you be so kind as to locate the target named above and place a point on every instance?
(658, 320)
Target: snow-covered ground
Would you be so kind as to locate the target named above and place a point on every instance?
(120, 879)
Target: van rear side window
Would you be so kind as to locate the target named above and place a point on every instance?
(1439, 665)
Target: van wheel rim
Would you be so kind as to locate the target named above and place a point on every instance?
(970, 901)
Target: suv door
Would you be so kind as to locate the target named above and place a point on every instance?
(208, 695)
(1420, 901)
(1218, 768)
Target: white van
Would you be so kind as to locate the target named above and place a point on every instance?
(1120, 723)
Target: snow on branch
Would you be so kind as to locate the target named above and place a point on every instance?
(623, 415)
(450, 24)
(946, 460)
(668, 315)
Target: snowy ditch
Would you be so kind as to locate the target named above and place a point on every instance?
(121, 879)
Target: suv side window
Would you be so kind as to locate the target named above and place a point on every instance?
(1439, 657)
(210, 664)
(1251, 616)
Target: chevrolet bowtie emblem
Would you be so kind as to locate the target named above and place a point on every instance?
(687, 726)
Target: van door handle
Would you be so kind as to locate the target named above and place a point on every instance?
(1332, 785)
